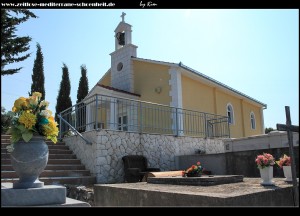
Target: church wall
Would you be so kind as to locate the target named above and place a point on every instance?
(236, 129)
(200, 97)
(106, 79)
(197, 96)
(148, 77)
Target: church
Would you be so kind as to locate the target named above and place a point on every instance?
(152, 96)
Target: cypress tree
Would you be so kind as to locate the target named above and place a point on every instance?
(83, 89)
(12, 46)
(63, 98)
(38, 78)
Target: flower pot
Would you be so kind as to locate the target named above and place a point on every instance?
(29, 159)
(287, 171)
(266, 175)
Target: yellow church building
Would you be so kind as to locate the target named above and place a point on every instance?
(146, 95)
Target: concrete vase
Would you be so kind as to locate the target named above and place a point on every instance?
(266, 175)
(287, 171)
(29, 159)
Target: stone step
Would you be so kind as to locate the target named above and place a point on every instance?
(52, 147)
(82, 180)
(60, 151)
(51, 156)
(50, 161)
(9, 167)
(52, 150)
(50, 173)
(6, 143)
(62, 147)
(58, 143)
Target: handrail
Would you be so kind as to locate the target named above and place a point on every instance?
(74, 130)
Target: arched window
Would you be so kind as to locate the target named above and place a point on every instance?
(252, 120)
(230, 114)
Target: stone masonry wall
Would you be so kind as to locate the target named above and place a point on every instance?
(104, 157)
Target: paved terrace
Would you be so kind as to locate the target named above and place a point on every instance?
(246, 193)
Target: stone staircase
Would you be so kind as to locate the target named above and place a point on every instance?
(63, 167)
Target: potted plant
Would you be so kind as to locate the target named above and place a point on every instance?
(265, 164)
(285, 164)
(31, 124)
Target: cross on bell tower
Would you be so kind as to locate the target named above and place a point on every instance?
(123, 16)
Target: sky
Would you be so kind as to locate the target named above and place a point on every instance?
(253, 51)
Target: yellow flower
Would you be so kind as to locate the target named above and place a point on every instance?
(50, 129)
(28, 119)
(20, 103)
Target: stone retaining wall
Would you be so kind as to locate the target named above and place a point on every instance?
(104, 157)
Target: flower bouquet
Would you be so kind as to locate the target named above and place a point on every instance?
(193, 171)
(30, 116)
(284, 161)
(264, 160)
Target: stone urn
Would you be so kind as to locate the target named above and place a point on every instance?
(266, 175)
(287, 171)
(29, 159)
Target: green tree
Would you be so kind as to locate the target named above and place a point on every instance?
(38, 78)
(6, 118)
(268, 130)
(83, 89)
(63, 98)
(13, 48)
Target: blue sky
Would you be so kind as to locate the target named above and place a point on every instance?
(253, 51)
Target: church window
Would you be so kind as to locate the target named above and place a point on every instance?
(120, 66)
(252, 120)
(230, 114)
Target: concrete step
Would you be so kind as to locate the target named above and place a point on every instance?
(62, 147)
(51, 156)
(82, 180)
(49, 167)
(5, 142)
(50, 161)
(51, 143)
(55, 148)
(60, 151)
(50, 173)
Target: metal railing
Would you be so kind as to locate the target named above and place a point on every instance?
(123, 114)
(73, 129)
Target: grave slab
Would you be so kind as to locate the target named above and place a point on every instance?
(205, 180)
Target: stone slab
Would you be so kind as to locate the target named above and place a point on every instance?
(247, 193)
(205, 180)
(69, 203)
(48, 195)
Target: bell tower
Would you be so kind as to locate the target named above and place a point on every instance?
(121, 64)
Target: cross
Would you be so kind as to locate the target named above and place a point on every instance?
(291, 128)
(123, 15)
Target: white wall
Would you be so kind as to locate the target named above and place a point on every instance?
(104, 157)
